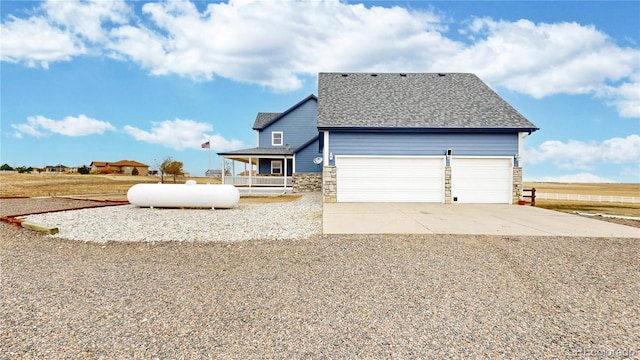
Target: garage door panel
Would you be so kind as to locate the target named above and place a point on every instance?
(481, 180)
(387, 179)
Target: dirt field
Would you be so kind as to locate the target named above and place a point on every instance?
(586, 189)
(32, 185)
(114, 187)
(624, 209)
(97, 187)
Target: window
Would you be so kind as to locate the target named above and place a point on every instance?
(276, 138)
(276, 167)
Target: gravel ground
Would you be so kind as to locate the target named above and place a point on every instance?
(379, 296)
(290, 220)
(17, 206)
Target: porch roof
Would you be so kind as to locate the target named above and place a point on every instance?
(259, 151)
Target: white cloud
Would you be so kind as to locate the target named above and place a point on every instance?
(86, 18)
(273, 43)
(625, 98)
(584, 177)
(36, 42)
(28, 129)
(277, 44)
(82, 125)
(60, 31)
(220, 143)
(585, 155)
(181, 134)
(547, 59)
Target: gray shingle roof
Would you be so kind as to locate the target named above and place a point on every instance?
(264, 118)
(413, 101)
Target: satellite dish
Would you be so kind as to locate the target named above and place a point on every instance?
(317, 160)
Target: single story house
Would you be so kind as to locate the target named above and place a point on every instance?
(421, 137)
(56, 168)
(122, 167)
(214, 173)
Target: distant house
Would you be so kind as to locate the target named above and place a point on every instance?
(213, 173)
(122, 167)
(56, 168)
(98, 167)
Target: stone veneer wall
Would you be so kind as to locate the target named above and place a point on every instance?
(517, 184)
(329, 189)
(307, 182)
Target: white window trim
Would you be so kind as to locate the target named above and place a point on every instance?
(273, 138)
(278, 166)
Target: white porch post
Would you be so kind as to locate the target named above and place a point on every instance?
(222, 175)
(285, 173)
(250, 171)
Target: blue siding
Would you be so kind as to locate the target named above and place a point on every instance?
(264, 166)
(298, 126)
(426, 144)
(304, 159)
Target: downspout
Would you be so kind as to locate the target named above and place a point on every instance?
(325, 151)
(521, 136)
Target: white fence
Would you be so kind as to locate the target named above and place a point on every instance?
(593, 198)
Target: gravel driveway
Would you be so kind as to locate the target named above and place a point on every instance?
(428, 296)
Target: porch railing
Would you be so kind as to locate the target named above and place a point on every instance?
(258, 180)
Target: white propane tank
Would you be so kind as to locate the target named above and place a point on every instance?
(188, 195)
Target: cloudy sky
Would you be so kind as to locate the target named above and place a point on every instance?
(87, 81)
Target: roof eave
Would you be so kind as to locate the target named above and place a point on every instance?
(258, 152)
(431, 130)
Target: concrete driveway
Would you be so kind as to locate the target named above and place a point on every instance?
(490, 219)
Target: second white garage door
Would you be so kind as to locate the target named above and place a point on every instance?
(481, 180)
(389, 179)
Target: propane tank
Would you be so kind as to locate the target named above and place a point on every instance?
(188, 195)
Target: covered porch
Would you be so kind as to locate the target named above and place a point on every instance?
(259, 170)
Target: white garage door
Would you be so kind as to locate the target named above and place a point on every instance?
(481, 180)
(390, 179)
